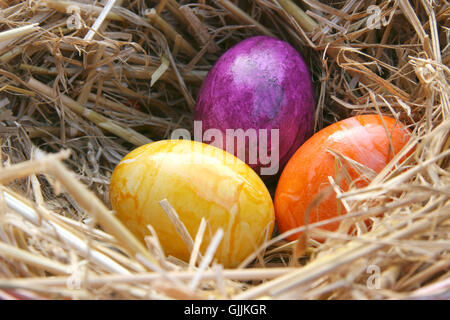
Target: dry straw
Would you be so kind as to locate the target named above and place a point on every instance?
(83, 82)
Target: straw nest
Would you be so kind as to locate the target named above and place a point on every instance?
(82, 83)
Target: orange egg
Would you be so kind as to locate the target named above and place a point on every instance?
(364, 139)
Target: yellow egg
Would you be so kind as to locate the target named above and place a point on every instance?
(199, 181)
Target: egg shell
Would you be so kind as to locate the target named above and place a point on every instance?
(199, 181)
(260, 83)
(361, 138)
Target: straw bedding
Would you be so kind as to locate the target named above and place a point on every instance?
(82, 83)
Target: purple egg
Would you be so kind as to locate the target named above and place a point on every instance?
(263, 87)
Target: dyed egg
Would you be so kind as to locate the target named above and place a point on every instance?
(259, 90)
(199, 181)
(361, 138)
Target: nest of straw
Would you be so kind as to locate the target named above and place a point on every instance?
(84, 82)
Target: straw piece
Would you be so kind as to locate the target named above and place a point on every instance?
(326, 8)
(26, 168)
(96, 280)
(145, 73)
(199, 30)
(362, 213)
(16, 89)
(305, 21)
(325, 21)
(159, 71)
(114, 105)
(97, 49)
(174, 8)
(161, 5)
(5, 58)
(127, 134)
(209, 255)
(18, 32)
(241, 16)
(335, 19)
(187, 95)
(408, 11)
(341, 256)
(43, 263)
(437, 291)
(420, 277)
(355, 67)
(95, 207)
(42, 131)
(98, 22)
(120, 107)
(63, 232)
(91, 58)
(45, 71)
(170, 32)
(195, 253)
(54, 293)
(62, 6)
(179, 225)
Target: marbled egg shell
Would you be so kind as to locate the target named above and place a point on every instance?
(260, 83)
(367, 139)
(199, 181)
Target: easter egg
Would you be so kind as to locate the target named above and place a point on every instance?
(257, 102)
(199, 181)
(367, 139)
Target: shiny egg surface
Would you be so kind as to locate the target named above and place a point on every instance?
(199, 181)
